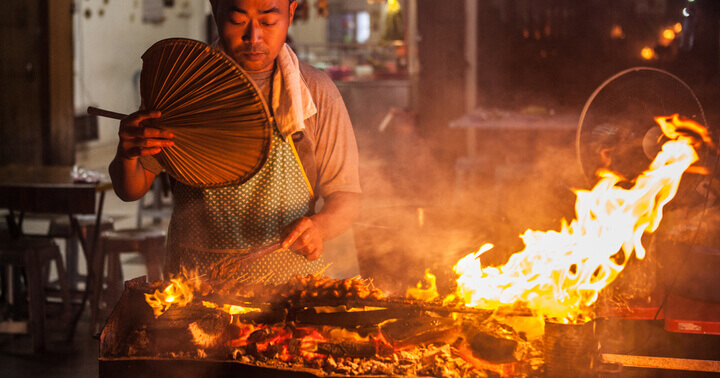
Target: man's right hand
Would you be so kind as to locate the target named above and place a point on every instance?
(137, 139)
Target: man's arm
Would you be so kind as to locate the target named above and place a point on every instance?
(130, 180)
(308, 234)
(335, 161)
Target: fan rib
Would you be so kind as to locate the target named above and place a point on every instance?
(221, 124)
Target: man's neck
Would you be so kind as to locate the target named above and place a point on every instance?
(263, 80)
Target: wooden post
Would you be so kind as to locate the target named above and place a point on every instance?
(59, 146)
(471, 41)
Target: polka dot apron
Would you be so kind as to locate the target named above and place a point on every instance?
(208, 225)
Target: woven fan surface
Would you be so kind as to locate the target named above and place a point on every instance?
(221, 125)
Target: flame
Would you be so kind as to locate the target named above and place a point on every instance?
(231, 309)
(559, 274)
(425, 294)
(177, 293)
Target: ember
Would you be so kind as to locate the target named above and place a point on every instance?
(282, 334)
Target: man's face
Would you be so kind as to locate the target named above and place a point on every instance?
(253, 31)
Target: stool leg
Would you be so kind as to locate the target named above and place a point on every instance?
(114, 278)
(98, 283)
(37, 299)
(71, 260)
(62, 278)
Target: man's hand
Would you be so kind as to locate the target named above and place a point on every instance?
(305, 238)
(137, 140)
(130, 180)
(306, 235)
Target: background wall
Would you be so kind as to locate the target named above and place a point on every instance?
(312, 30)
(110, 37)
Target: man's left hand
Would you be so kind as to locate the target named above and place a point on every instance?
(305, 238)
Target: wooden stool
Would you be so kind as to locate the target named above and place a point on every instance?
(148, 242)
(34, 255)
(60, 228)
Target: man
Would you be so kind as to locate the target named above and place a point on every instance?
(313, 155)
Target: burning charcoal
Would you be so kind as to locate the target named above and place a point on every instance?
(330, 365)
(295, 346)
(272, 350)
(252, 350)
(380, 368)
(420, 330)
(406, 369)
(259, 336)
(406, 358)
(347, 348)
(317, 363)
(432, 353)
(208, 332)
(493, 349)
(247, 360)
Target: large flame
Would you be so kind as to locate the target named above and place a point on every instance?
(559, 274)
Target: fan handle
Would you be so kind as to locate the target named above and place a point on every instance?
(105, 113)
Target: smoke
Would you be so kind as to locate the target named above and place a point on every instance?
(425, 208)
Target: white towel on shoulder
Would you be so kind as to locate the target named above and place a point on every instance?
(292, 104)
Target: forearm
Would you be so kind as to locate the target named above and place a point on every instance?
(130, 180)
(337, 214)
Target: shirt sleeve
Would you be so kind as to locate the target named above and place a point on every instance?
(336, 152)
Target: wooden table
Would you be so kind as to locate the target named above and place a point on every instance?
(52, 190)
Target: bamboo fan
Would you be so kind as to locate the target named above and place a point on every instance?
(221, 124)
